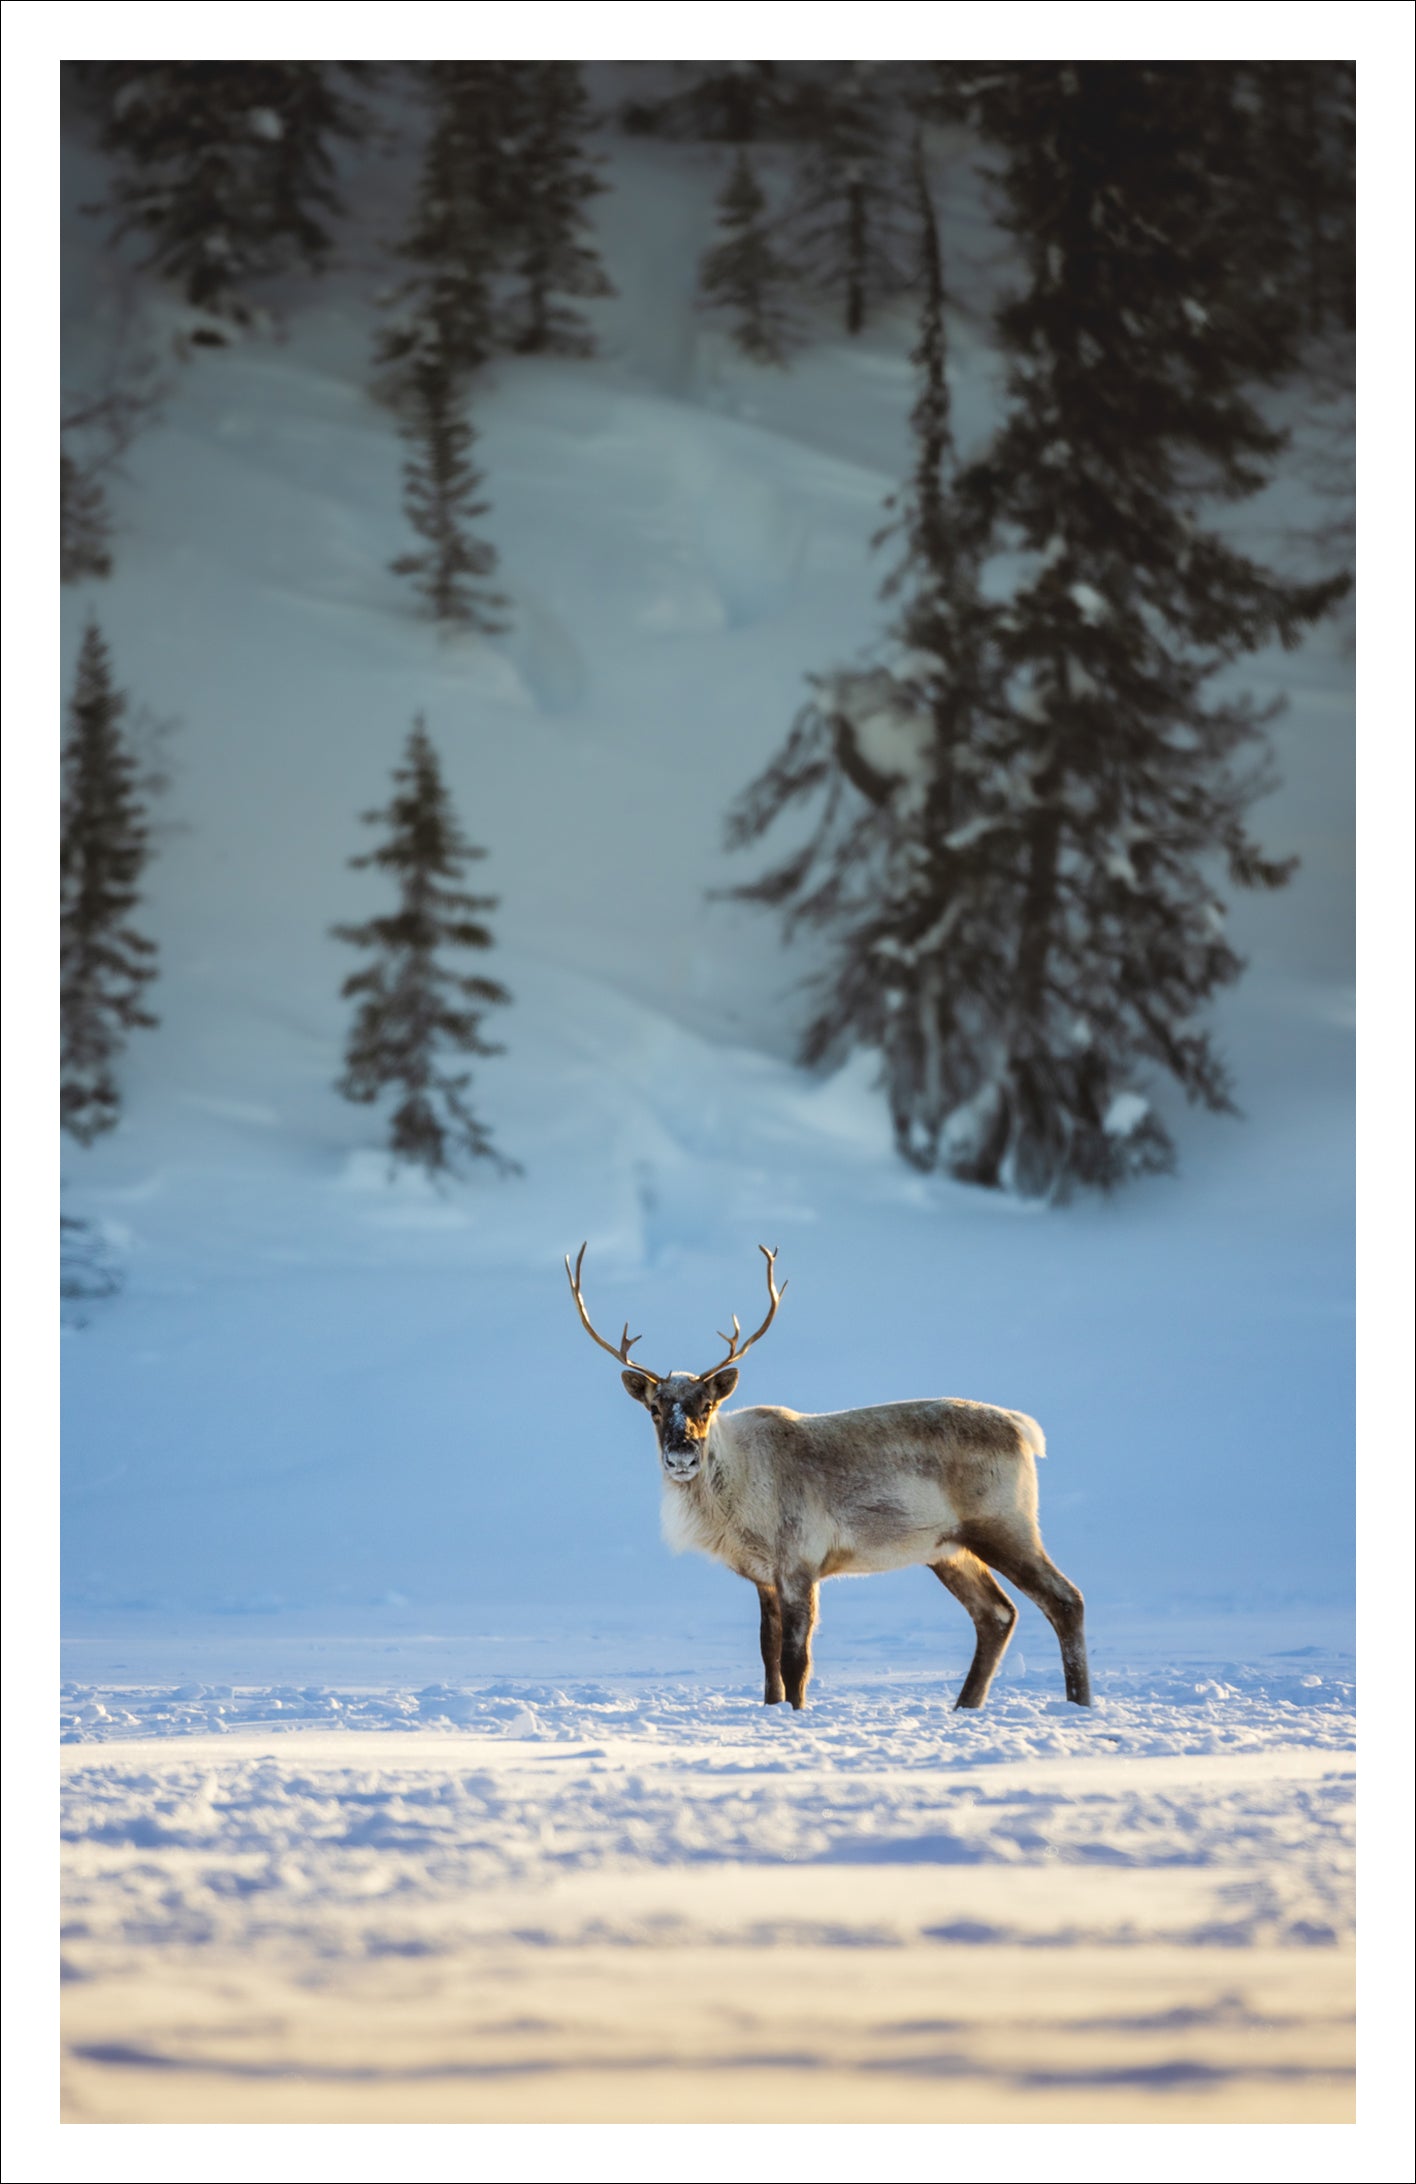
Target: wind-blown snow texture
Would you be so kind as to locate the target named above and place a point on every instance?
(615, 1900)
(339, 1454)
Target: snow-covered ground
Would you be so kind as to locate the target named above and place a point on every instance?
(653, 1901)
(352, 1509)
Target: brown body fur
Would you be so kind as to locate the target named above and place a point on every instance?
(787, 1498)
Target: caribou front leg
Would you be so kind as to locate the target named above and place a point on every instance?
(771, 1634)
(797, 1597)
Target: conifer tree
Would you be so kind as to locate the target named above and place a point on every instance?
(556, 181)
(1292, 251)
(1099, 777)
(939, 91)
(105, 965)
(490, 105)
(440, 483)
(418, 1019)
(97, 426)
(459, 227)
(725, 102)
(850, 218)
(1130, 414)
(1302, 205)
(227, 166)
(743, 274)
(897, 870)
(88, 1269)
(84, 524)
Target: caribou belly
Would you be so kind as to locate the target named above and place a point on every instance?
(912, 1522)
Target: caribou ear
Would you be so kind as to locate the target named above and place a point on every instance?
(638, 1385)
(719, 1386)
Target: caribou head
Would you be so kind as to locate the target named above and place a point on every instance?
(682, 1405)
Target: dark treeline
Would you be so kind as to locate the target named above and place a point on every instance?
(228, 171)
(1284, 131)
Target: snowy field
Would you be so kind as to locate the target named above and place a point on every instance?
(650, 1901)
(406, 1776)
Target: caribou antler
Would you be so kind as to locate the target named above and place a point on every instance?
(737, 1348)
(627, 1340)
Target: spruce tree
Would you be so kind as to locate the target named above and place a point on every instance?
(851, 215)
(1303, 206)
(88, 1269)
(897, 871)
(305, 112)
(1073, 808)
(1293, 251)
(555, 181)
(105, 965)
(97, 426)
(743, 274)
(84, 524)
(939, 91)
(227, 166)
(1130, 415)
(458, 227)
(417, 1017)
(440, 483)
(488, 105)
(725, 102)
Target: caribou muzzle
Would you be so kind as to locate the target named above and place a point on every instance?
(680, 1448)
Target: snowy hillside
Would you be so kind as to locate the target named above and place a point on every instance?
(345, 1405)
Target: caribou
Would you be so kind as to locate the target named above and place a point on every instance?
(786, 1498)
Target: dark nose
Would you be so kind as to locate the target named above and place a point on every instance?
(673, 1432)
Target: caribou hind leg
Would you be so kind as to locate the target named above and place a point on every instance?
(993, 1616)
(771, 1634)
(1025, 1564)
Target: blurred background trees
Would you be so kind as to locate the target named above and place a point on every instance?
(226, 167)
(746, 274)
(1026, 917)
(1027, 798)
(105, 963)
